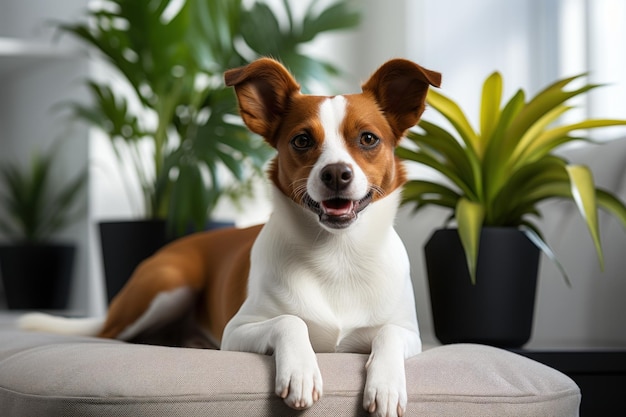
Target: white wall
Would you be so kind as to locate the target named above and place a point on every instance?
(28, 120)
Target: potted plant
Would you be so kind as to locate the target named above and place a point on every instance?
(172, 56)
(36, 270)
(482, 275)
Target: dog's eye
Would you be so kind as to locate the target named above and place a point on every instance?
(302, 142)
(368, 140)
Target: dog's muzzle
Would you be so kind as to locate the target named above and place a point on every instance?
(337, 213)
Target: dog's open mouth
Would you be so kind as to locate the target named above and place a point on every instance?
(337, 207)
(337, 213)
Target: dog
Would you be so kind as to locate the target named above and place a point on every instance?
(327, 272)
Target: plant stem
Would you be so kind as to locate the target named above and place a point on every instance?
(166, 110)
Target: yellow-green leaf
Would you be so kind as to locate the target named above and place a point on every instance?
(558, 132)
(544, 101)
(519, 186)
(500, 147)
(451, 111)
(430, 161)
(530, 138)
(469, 216)
(539, 150)
(423, 193)
(538, 241)
(584, 195)
(461, 159)
(611, 204)
(490, 106)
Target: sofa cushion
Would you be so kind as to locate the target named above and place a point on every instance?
(52, 375)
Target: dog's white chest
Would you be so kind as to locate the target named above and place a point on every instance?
(343, 286)
(333, 305)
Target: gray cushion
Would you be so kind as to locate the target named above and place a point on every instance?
(51, 375)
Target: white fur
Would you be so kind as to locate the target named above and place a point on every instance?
(165, 307)
(338, 282)
(331, 113)
(313, 290)
(90, 326)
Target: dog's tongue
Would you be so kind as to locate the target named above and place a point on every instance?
(337, 207)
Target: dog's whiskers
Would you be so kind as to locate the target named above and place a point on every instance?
(377, 189)
(299, 190)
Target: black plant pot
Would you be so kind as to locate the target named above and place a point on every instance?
(37, 276)
(498, 309)
(124, 245)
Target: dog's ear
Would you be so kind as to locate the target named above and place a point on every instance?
(399, 87)
(264, 89)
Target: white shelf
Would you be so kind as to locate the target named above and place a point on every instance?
(18, 53)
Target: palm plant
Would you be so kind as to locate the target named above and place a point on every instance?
(172, 56)
(34, 209)
(498, 175)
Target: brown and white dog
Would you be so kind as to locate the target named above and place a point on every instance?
(327, 273)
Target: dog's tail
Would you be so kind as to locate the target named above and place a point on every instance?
(90, 326)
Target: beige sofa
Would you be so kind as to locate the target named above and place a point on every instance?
(51, 375)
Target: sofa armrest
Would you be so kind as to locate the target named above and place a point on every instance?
(51, 375)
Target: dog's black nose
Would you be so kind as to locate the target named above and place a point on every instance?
(336, 176)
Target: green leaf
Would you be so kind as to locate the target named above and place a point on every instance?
(490, 106)
(535, 237)
(338, 16)
(426, 192)
(184, 201)
(531, 136)
(611, 204)
(584, 195)
(463, 162)
(261, 30)
(500, 146)
(540, 150)
(34, 206)
(543, 102)
(451, 111)
(517, 192)
(469, 217)
(233, 164)
(217, 23)
(552, 136)
(429, 161)
(499, 140)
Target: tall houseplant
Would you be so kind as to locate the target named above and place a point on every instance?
(173, 60)
(36, 269)
(493, 180)
(171, 55)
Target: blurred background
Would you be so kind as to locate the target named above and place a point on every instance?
(531, 42)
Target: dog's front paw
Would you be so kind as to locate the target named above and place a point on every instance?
(298, 378)
(385, 390)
